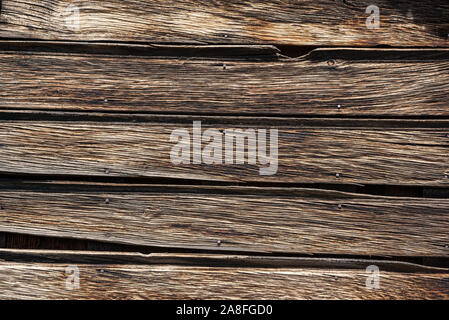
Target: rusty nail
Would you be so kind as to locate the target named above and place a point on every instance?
(331, 62)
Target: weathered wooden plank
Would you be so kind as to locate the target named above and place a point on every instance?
(237, 219)
(317, 277)
(49, 281)
(305, 154)
(325, 82)
(307, 22)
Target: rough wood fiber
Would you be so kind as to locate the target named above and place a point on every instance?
(294, 221)
(48, 281)
(362, 82)
(306, 154)
(306, 22)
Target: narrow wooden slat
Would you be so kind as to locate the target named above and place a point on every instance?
(48, 281)
(305, 154)
(209, 260)
(238, 219)
(307, 22)
(325, 82)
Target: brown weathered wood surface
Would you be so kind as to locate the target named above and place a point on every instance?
(307, 22)
(306, 153)
(169, 281)
(86, 114)
(347, 82)
(240, 219)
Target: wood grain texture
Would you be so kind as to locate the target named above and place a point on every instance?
(48, 281)
(307, 22)
(305, 154)
(237, 219)
(367, 82)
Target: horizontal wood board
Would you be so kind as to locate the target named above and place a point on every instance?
(280, 220)
(338, 82)
(406, 156)
(306, 22)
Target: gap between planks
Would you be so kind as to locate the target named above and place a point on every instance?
(208, 260)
